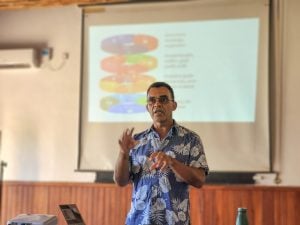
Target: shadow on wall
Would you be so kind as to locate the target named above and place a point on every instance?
(22, 143)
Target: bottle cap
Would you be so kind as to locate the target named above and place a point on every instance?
(242, 209)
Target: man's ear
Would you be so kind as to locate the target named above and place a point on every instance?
(147, 107)
(174, 105)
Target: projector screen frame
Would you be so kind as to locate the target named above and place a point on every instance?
(214, 177)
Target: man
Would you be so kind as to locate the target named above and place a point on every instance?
(161, 162)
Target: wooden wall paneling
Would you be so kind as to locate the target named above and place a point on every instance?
(4, 199)
(119, 204)
(18, 199)
(85, 204)
(297, 206)
(99, 210)
(123, 203)
(58, 194)
(257, 207)
(207, 202)
(280, 208)
(96, 207)
(14, 201)
(199, 209)
(228, 203)
(285, 203)
(293, 207)
(217, 205)
(195, 201)
(268, 207)
(105, 215)
(290, 207)
(206, 206)
(40, 199)
(115, 197)
(245, 201)
(5, 209)
(84, 198)
(223, 203)
(107, 204)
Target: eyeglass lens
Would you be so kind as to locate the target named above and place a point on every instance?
(161, 99)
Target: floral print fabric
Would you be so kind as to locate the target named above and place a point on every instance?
(160, 197)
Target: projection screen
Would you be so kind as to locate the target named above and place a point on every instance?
(213, 53)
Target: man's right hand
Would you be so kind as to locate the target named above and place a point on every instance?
(121, 173)
(126, 141)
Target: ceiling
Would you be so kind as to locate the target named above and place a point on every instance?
(26, 4)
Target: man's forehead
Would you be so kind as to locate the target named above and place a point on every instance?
(159, 91)
(158, 96)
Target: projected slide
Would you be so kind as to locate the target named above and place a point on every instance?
(212, 66)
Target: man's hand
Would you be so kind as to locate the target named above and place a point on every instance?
(191, 175)
(126, 141)
(160, 160)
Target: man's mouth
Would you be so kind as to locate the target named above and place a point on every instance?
(158, 111)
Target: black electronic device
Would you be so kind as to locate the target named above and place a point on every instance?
(71, 214)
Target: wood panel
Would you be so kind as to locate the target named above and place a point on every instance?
(217, 205)
(107, 204)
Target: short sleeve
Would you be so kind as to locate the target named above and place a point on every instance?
(197, 154)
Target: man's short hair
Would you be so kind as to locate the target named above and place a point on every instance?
(162, 84)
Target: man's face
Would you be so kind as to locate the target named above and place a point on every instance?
(160, 104)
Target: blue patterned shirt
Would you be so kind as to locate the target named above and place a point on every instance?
(160, 197)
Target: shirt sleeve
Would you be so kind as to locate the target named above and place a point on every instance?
(197, 154)
(130, 163)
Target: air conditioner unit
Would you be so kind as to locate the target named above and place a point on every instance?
(18, 58)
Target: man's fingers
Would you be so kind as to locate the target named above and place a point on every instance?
(153, 155)
(164, 166)
(153, 166)
(126, 141)
(131, 132)
(160, 160)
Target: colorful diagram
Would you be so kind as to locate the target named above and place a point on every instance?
(125, 104)
(127, 66)
(129, 44)
(126, 83)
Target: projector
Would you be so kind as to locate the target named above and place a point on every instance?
(33, 219)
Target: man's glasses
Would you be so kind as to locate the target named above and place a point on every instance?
(161, 99)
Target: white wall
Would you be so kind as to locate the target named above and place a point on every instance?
(291, 95)
(39, 110)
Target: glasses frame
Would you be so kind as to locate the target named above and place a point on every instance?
(163, 99)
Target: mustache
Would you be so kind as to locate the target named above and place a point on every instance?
(158, 110)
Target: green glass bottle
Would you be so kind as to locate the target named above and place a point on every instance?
(241, 218)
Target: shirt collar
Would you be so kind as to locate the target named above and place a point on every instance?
(173, 131)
